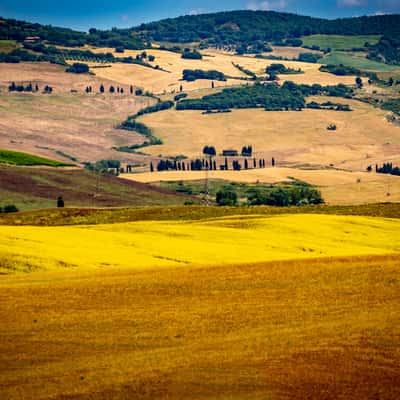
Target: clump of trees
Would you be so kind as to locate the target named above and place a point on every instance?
(78, 68)
(247, 72)
(9, 208)
(191, 75)
(180, 96)
(344, 70)
(21, 88)
(386, 168)
(191, 54)
(209, 150)
(227, 196)
(280, 69)
(328, 105)
(309, 57)
(247, 151)
(296, 195)
(112, 167)
(387, 50)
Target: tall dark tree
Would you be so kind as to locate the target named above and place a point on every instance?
(273, 162)
(112, 89)
(60, 202)
(101, 88)
(151, 167)
(131, 89)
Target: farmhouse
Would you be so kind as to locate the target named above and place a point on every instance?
(32, 39)
(230, 153)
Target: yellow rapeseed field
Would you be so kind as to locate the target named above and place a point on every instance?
(229, 240)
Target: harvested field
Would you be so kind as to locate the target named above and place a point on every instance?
(363, 136)
(317, 328)
(65, 125)
(159, 81)
(290, 52)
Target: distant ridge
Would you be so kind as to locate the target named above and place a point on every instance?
(236, 27)
(233, 27)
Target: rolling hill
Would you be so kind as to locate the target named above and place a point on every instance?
(33, 188)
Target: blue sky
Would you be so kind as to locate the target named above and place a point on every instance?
(83, 14)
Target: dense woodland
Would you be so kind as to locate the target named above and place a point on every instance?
(248, 27)
(387, 50)
(191, 75)
(271, 97)
(12, 29)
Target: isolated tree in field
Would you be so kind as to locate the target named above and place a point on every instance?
(181, 88)
(212, 85)
(87, 90)
(122, 90)
(131, 89)
(60, 202)
(101, 88)
(151, 167)
(273, 162)
(36, 88)
(359, 82)
(226, 164)
(112, 89)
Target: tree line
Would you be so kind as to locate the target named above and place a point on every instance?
(298, 194)
(192, 75)
(209, 164)
(386, 168)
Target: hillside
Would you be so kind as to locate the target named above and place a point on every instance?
(33, 188)
(240, 27)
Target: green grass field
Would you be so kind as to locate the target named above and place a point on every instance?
(18, 158)
(8, 45)
(339, 42)
(90, 216)
(347, 59)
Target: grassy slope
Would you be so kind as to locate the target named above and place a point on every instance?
(293, 330)
(32, 188)
(337, 58)
(339, 42)
(7, 46)
(18, 158)
(71, 216)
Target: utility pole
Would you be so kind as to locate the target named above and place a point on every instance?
(207, 183)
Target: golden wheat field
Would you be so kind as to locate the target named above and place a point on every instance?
(170, 80)
(235, 307)
(363, 136)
